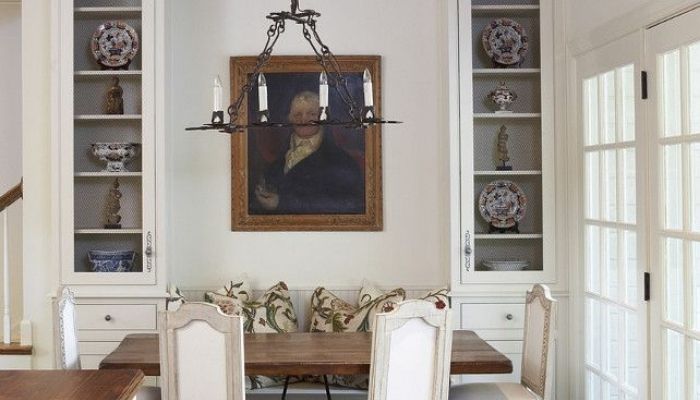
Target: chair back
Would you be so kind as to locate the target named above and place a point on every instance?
(65, 330)
(201, 353)
(411, 350)
(538, 345)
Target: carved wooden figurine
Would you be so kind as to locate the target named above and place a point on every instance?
(502, 149)
(115, 101)
(113, 207)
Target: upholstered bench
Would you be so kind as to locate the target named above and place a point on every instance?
(301, 301)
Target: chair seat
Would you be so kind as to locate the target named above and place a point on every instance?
(491, 391)
(148, 393)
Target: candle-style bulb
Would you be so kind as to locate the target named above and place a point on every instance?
(217, 94)
(264, 115)
(262, 92)
(368, 90)
(323, 90)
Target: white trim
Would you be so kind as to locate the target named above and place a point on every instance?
(641, 18)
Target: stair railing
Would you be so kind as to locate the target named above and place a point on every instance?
(6, 200)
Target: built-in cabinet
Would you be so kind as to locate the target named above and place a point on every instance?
(110, 304)
(485, 299)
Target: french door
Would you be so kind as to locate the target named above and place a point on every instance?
(615, 313)
(673, 61)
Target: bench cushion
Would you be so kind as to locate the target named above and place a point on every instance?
(273, 312)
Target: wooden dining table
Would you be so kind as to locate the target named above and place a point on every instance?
(280, 354)
(70, 384)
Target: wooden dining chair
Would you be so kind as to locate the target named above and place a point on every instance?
(66, 340)
(538, 356)
(411, 348)
(201, 353)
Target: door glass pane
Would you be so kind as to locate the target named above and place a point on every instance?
(610, 392)
(630, 259)
(675, 368)
(607, 87)
(593, 325)
(592, 386)
(673, 189)
(593, 259)
(593, 185)
(627, 106)
(610, 185)
(633, 348)
(696, 369)
(695, 185)
(590, 111)
(629, 184)
(696, 285)
(611, 263)
(612, 351)
(694, 87)
(671, 82)
(674, 279)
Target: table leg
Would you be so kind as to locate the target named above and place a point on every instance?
(286, 385)
(328, 390)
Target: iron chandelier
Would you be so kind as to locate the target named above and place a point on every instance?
(357, 117)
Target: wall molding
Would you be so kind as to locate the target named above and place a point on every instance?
(642, 18)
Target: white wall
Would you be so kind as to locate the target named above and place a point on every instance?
(40, 270)
(11, 144)
(412, 250)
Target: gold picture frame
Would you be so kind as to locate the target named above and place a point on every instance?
(351, 202)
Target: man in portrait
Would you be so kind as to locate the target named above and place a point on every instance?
(312, 174)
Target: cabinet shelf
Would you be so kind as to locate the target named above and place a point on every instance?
(107, 10)
(108, 231)
(507, 115)
(505, 8)
(91, 73)
(102, 117)
(506, 71)
(107, 174)
(508, 236)
(506, 173)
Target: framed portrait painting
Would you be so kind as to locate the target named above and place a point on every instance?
(305, 178)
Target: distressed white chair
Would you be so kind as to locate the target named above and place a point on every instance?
(201, 353)
(411, 350)
(66, 340)
(538, 356)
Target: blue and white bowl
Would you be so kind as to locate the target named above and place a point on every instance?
(112, 260)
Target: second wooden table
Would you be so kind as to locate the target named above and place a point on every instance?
(277, 354)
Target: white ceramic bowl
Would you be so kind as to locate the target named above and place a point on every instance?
(505, 265)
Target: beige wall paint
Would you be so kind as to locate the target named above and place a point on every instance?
(412, 250)
(40, 261)
(11, 148)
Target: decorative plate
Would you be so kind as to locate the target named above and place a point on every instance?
(114, 44)
(505, 41)
(502, 204)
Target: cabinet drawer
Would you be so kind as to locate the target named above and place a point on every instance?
(492, 316)
(116, 316)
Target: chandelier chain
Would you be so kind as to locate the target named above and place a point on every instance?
(273, 33)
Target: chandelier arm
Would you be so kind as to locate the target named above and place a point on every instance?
(340, 81)
(273, 34)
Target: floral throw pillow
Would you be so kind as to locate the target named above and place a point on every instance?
(439, 297)
(273, 312)
(329, 313)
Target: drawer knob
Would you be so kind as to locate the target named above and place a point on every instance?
(108, 317)
(509, 317)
